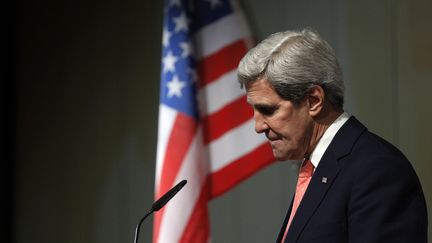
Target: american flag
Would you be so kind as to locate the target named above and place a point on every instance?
(206, 129)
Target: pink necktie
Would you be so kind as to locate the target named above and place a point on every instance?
(303, 180)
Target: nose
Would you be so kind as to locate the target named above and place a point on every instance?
(260, 123)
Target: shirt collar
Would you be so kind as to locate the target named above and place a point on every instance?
(327, 137)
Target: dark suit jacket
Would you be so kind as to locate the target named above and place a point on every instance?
(364, 190)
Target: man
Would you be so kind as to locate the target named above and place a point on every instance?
(353, 186)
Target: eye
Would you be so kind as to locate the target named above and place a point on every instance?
(266, 110)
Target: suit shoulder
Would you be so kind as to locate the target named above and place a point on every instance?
(372, 156)
(377, 145)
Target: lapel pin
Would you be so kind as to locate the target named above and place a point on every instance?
(324, 180)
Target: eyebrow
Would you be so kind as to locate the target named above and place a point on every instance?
(258, 105)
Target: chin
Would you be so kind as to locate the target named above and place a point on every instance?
(280, 157)
(286, 156)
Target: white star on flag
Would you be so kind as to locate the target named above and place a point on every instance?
(175, 87)
(175, 3)
(186, 49)
(181, 23)
(214, 3)
(169, 62)
(193, 74)
(165, 37)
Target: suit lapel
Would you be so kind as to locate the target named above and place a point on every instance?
(328, 168)
(324, 176)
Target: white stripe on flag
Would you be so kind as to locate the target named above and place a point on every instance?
(228, 148)
(167, 118)
(180, 208)
(221, 33)
(220, 93)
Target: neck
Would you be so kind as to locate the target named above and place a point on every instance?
(321, 123)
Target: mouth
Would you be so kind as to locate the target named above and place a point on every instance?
(272, 138)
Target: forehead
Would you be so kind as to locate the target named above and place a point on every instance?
(261, 91)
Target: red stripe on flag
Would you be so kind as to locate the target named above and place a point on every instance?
(198, 227)
(181, 137)
(221, 62)
(238, 170)
(220, 122)
(156, 224)
(179, 142)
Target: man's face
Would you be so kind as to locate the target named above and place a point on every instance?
(288, 127)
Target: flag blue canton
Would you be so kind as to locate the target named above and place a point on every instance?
(179, 75)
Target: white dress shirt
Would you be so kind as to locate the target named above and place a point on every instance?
(326, 139)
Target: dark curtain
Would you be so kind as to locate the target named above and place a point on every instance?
(7, 118)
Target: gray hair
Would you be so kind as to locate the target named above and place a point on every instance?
(293, 62)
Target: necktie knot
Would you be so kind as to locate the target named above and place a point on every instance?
(306, 169)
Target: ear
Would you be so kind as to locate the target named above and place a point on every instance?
(316, 100)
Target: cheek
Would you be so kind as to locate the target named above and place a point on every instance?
(294, 130)
(279, 127)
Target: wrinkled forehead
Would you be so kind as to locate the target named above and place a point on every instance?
(261, 83)
(260, 90)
